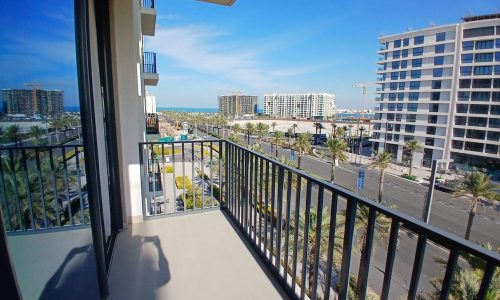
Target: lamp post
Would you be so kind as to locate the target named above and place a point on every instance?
(430, 192)
(361, 142)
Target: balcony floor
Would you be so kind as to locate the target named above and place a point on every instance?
(194, 256)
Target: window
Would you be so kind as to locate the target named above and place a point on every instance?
(431, 130)
(496, 83)
(438, 72)
(406, 42)
(440, 36)
(396, 137)
(465, 71)
(497, 42)
(416, 74)
(399, 108)
(459, 120)
(401, 96)
(411, 118)
(398, 116)
(493, 136)
(397, 127)
(413, 96)
(439, 48)
(436, 84)
(497, 70)
(408, 138)
(416, 63)
(477, 32)
(432, 119)
(394, 75)
(462, 108)
(418, 40)
(478, 109)
(492, 149)
(494, 123)
(393, 86)
(402, 75)
(476, 147)
(410, 128)
(495, 96)
(397, 43)
(396, 54)
(463, 96)
(464, 83)
(429, 141)
(412, 107)
(391, 107)
(495, 110)
(476, 134)
(467, 58)
(488, 44)
(395, 65)
(467, 46)
(435, 96)
(483, 70)
(389, 137)
(457, 145)
(401, 85)
(480, 96)
(404, 53)
(477, 121)
(390, 117)
(483, 57)
(497, 56)
(414, 85)
(418, 51)
(392, 96)
(481, 83)
(433, 107)
(458, 132)
(438, 60)
(404, 64)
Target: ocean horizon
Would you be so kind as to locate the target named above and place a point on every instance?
(190, 109)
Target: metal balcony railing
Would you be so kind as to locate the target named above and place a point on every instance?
(301, 225)
(148, 3)
(149, 62)
(43, 187)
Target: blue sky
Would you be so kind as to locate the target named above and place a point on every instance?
(256, 46)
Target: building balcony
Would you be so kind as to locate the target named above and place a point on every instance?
(149, 73)
(148, 17)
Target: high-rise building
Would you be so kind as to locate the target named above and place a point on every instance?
(302, 106)
(33, 102)
(237, 105)
(441, 87)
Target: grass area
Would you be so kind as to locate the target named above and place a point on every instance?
(166, 150)
(412, 177)
(180, 181)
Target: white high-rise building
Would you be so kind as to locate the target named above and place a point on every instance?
(301, 106)
(441, 86)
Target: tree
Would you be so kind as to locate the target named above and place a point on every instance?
(382, 162)
(236, 128)
(336, 149)
(303, 145)
(294, 126)
(413, 146)
(276, 140)
(477, 186)
(235, 138)
(334, 127)
(250, 130)
(318, 126)
(289, 133)
(339, 133)
(57, 124)
(273, 125)
(261, 129)
(36, 133)
(13, 134)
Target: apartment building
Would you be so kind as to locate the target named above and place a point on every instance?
(441, 87)
(300, 106)
(237, 105)
(33, 102)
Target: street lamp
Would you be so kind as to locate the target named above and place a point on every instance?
(360, 148)
(430, 192)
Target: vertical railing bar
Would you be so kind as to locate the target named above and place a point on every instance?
(211, 174)
(370, 233)
(307, 218)
(389, 261)
(225, 174)
(287, 218)
(144, 174)
(237, 185)
(79, 181)
(66, 181)
(40, 185)
(4, 187)
(266, 187)
(162, 178)
(16, 191)
(417, 265)
(296, 231)
(261, 187)
(229, 167)
(28, 188)
(148, 176)
(331, 243)
(255, 196)
(350, 222)
(202, 166)
(184, 177)
(245, 190)
(250, 194)
(273, 199)
(319, 221)
(486, 281)
(279, 225)
(448, 276)
(174, 186)
(153, 165)
(54, 186)
(193, 183)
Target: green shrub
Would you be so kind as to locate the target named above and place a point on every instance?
(180, 181)
(169, 169)
(412, 177)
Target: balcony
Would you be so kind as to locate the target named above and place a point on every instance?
(148, 17)
(149, 73)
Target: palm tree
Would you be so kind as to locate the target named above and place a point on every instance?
(236, 128)
(412, 146)
(261, 129)
(57, 124)
(289, 133)
(339, 133)
(1, 134)
(382, 162)
(294, 126)
(273, 125)
(303, 145)
(13, 134)
(334, 127)
(276, 140)
(250, 129)
(477, 186)
(318, 126)
(336, 149)
(234, 138)
(36, 133)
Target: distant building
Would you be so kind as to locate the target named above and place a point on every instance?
(33, 102)
(237, 105)
(150, 104)
(301, 106)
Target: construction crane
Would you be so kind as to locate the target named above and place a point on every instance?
(34, 86)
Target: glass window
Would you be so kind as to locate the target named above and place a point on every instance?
(440, 36)
(404, 64)
(394, 75)
(410, 128)
(431, 130)
(497, 56)
(495, 96)
(492, 149)
(476, 134)
(496, 83)
(478, 109)
(435, 96)
(477, 32)
(477, 147)
(415, 63)
(483, 57)
(438, 60)
(396, 137)
(463, 96)
(488, 44)
(481, 83)
(467, 58)
(464, 83)
(404, 53)
(402, 75)
(392, 97)
(412, 106)
(493, 136)
(406, 42)
(462, 108)
(414, 85)
(480, 96)
(397, 43)
(416, 73)
(391, 106)
(413, 96)
(390, 117)
(457, 145)
(418, 40)
(494, 123)
(398, 116)
(497, 70)
(458, 132)
(460, 120)
(497, 42)
(397, 127)
(465, 71)
(393, 86)
(467, 46)
(400, 108)
(401, 85)
(483, 70)
(401, 96)
(495, 110)
(439, 48)
(395, 65)
(438, 72)
(396, 54)
(418, 51)
(477, 121)
(411, 118)
(436, 84)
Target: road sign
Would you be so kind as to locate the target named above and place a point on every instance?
(361, 179)
(292, 154)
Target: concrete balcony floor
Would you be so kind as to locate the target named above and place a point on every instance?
(192, 256)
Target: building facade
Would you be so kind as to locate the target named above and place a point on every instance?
(301, 106)
(441, 87)
(237, 105)
(37, 102)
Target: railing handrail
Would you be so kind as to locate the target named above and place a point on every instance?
(148, 3)
(40, 147)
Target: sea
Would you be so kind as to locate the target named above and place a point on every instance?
(190, 109)
(72, 108)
